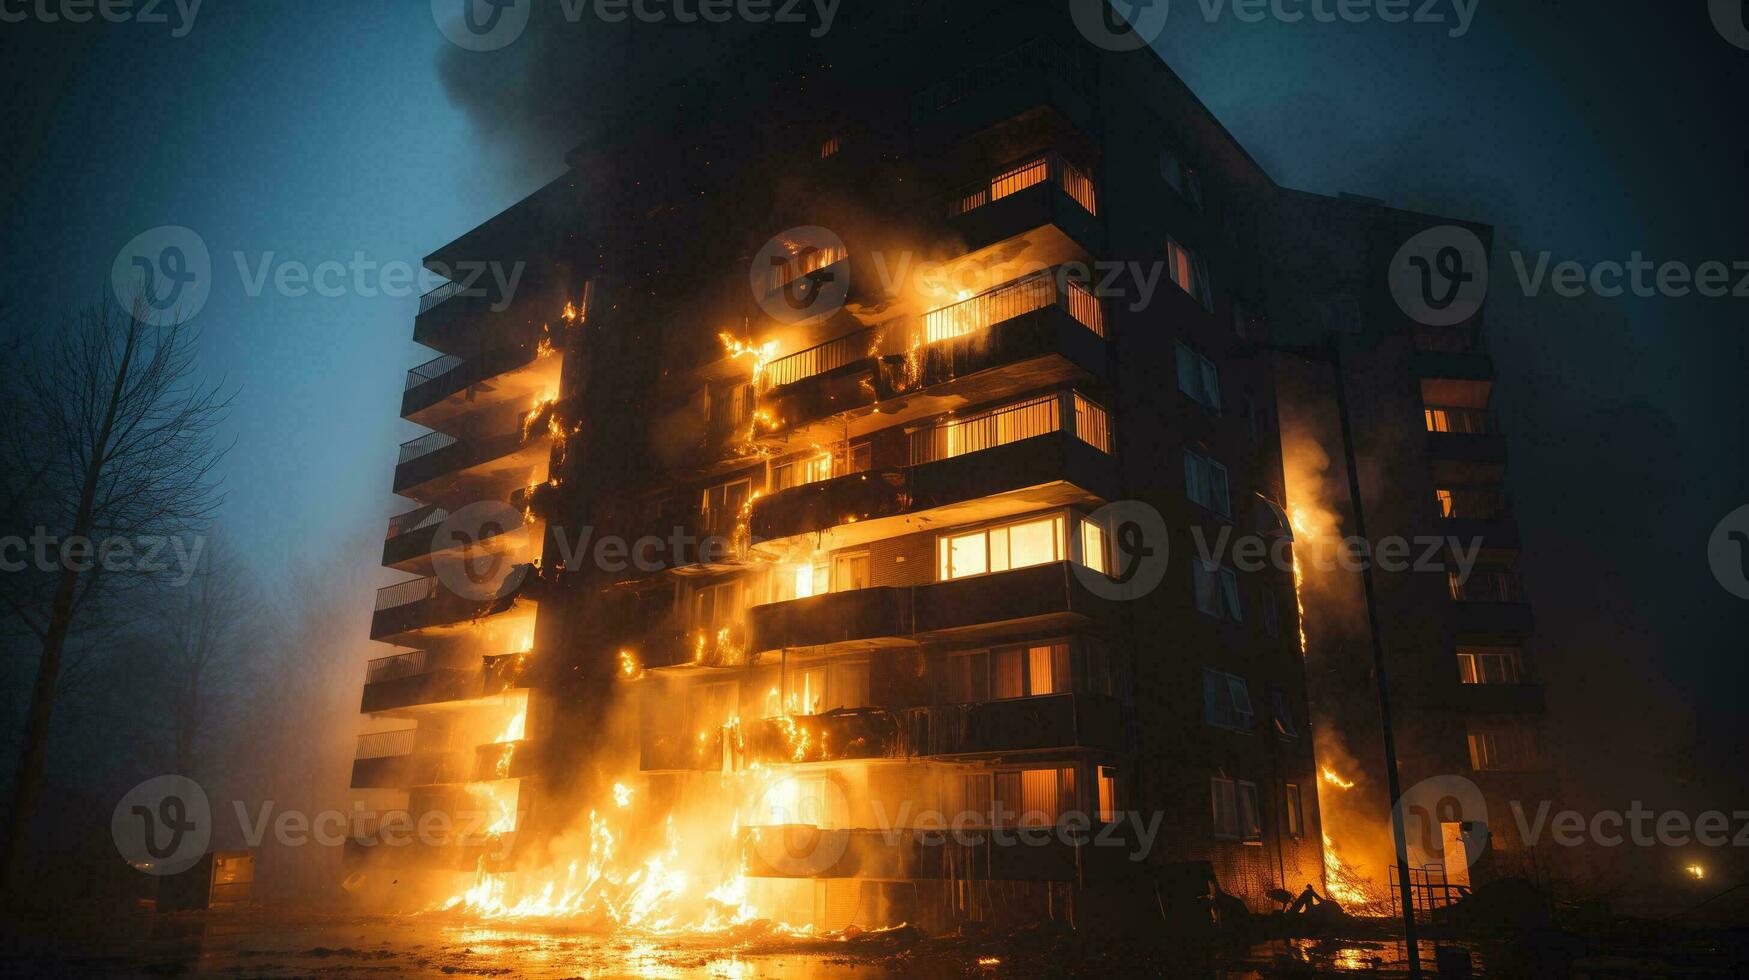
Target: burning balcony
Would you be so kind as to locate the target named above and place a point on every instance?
(967, 472)
(418, 679)
(425, 606)
(901, 854)
(1052, 721)
(447, 387)
(1043, 200)
(517, 759)
(858, 619)
(411, 543)
(487, 466)
(402, 758)
(467, 317)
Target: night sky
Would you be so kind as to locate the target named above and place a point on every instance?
(317, 130)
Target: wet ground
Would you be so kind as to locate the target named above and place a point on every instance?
(263, 943)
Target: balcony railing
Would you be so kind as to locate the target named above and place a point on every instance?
(395, 667)
(1466, 421)
(1486, 586)
(1050, 167)
(415, 520)
(436, 296)
(1485, 504)
(1014, 299)
(406, 593)
(819, 359)
(385, 745)
(1087, 420)
(425, 445)
(432, 370)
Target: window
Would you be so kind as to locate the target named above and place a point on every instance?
(799, 472)
(1107, 794)
(1217, 590)
(711, 706)
(1271, 613)
(820, 688)
(830, 147)
(1188, 273)
(1035, 797)
(1250, 816)
(722, 504)
(799, 581)
(1205, 483)
(730, 405)
(1283, 714)
(1198, 378)
(971, 799)
(1092, 426)
(1489, 665)
(1223, 794)
(1009, 672)
(850, 572)
(1503, 748)
(802, 800)
(1000, 549)
(1093, 546)
(1296, 816)
(716, 607)
(806, 691)
(1226, 701)
(1183, 178)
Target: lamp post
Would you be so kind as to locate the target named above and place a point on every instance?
(1331, 352)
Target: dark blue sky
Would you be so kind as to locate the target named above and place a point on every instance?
(317, 130)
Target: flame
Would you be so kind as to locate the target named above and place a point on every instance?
(1333, 779)
(570, 313)
(1302, 531)
(1347, 885)
(544, 348)
(629, 667)
(762, 354)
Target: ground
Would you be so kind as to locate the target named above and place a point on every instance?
(272, 943)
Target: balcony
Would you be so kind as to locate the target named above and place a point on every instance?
(501, 674)
(1054, 721)
(836, 736)
(1052, 468)
(1502, 699)
(1464, 444)
(1479, 514)
(403, 758)
(447, 387)
(1489, 604)
(1044, 205)
(439, 467)
(412, 544)
(506, 760)
(464, 318)
(418, 679)
(1041, 597)
(424, 606)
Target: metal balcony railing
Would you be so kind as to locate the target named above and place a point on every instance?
(406, 593)
(1012, 423)
(1014, 299)
(1049, 167)
(432, 370)
(425, 445)
(1466, 503)
(438, 295)
(1466, 421)
(415, 520)
(385, 745)
(819, 359)
(396, 667)
(1486, 586)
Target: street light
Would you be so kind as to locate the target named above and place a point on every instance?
(1330, 351)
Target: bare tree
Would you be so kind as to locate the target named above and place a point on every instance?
(199, 631)
(108, 441)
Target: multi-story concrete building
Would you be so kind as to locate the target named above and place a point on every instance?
(812, 396)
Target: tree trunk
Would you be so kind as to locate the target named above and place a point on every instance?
(27, 784)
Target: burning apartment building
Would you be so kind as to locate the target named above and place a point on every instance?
(782, 519)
